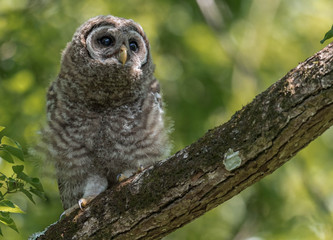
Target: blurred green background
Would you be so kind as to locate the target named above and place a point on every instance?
(212, 57)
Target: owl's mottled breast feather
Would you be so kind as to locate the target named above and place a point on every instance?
(119, 138)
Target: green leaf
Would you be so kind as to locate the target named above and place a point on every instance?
(5, 155)
(8, 206)
(32, 181)
(24, 177)
(10, 142)
(1, 128)
(37, 184)
(38, 193)
(28, 194)
(7, 220)
(328, 35)
(6, 203)
(2, 176)
(16, 152)
(12, 184)
(1, 232)
(18, 168)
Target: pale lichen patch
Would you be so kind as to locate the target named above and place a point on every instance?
(291, 87)
(232, 160)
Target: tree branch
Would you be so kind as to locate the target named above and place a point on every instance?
(255, 142)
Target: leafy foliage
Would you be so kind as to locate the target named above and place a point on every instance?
(18, 181)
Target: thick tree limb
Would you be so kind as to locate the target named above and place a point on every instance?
(255, 142)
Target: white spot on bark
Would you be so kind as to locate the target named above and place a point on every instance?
(232, 160)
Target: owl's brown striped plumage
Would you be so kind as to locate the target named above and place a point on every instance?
(104, 109)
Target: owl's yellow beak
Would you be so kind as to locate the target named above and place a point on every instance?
(123, 54)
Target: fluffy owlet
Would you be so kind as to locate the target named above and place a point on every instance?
(104, 109)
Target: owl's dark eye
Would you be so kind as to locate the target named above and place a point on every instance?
(133, 46)
(106, 41)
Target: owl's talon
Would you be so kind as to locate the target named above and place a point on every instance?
(68, 211)
(83, 202)
(121, 177)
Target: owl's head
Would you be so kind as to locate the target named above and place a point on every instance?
(117, 41)
(108, 51)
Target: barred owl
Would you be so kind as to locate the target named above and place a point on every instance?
(104, 110)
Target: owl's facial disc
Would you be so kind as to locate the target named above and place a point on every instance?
(115, 46)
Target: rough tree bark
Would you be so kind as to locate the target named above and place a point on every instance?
(256, 141)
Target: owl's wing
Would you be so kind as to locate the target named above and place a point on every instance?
(155, 89)
(61, 191)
